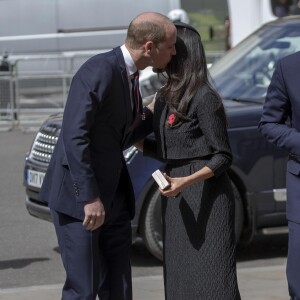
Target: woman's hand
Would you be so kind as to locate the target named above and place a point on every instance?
(150, 106)
(179, 183)
(139, 145)
(176, 186)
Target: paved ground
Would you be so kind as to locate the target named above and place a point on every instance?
(29, 257)
(258, 283)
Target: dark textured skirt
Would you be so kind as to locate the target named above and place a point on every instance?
(199, 243)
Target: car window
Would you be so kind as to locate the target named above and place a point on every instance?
(245, 72)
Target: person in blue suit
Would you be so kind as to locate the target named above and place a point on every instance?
(87, 185)
(280, 124)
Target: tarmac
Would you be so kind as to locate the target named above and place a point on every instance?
(255, 283)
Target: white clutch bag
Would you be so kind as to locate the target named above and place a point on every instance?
(160, 179)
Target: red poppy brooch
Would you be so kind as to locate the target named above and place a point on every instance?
(171, 119)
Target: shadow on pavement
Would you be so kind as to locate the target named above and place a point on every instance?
(261, 248)
(264, 247)
(19, 263)
(142, 257)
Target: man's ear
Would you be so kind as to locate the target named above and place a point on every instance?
(148, 47)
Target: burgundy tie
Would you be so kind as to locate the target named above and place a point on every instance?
(136, 99)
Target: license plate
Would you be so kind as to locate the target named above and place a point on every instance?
(35, 178)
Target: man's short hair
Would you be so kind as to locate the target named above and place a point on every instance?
(140, 32)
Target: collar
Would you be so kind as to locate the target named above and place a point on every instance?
(130, 66)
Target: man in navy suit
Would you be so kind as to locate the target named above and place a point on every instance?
(280, 124)
(87, 185)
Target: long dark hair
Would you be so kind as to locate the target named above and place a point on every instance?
(187, 72)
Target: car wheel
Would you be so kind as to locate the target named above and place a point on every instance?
(151, 222)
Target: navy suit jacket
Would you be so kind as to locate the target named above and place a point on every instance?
(88, 158)
(280, 124)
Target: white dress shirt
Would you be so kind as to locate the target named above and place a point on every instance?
(130, 68)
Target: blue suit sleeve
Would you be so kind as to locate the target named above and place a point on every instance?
(143, 128)
(274, 124)
(79, 115)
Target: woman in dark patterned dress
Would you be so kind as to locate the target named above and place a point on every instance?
(198, 208)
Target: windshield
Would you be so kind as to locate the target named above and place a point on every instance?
(245, 72)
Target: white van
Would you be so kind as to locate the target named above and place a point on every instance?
(55, 26)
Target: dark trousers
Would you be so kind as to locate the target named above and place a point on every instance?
(98, 262)
(293, 261)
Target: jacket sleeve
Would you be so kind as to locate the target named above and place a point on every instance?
(79, 115)
(150, 147)
(212, 122)
(143, 128)
(276, 111)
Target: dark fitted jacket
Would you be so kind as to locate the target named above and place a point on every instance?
(282, 104)
(203, 136)
(88, 161)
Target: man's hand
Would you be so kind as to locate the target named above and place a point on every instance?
(94, 214)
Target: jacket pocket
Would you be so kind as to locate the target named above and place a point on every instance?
(293, 167)
(63, 161)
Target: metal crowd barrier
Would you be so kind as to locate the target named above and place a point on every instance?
(41, 84)
(29, 96)
(7, 103)
(38, 96)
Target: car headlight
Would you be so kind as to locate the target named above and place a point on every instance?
(129, 153)
(43, 145)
